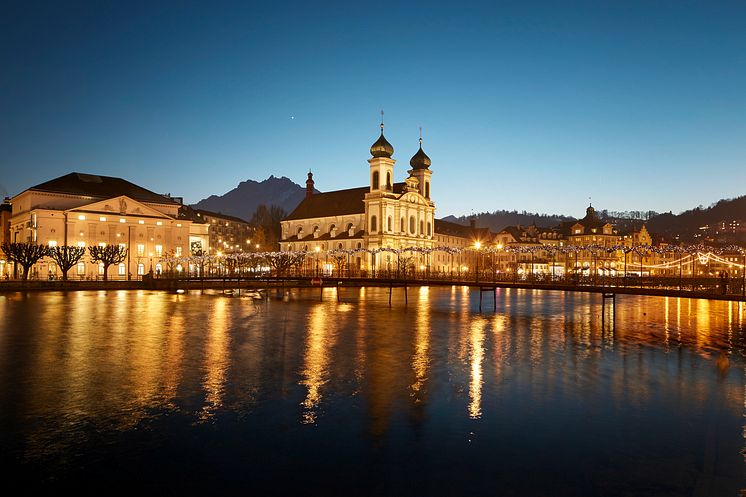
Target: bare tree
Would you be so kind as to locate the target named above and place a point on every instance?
(282, 261)
(66, 257)
(107, 255)
(25, 254)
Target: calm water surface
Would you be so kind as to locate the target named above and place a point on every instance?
(203, 393)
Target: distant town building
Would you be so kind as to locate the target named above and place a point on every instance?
(227, 234)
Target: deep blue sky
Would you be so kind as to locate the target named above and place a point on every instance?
(524, 105)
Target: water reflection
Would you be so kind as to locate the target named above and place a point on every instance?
(658, 382)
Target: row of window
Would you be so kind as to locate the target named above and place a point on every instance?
(412, 225)
(140, 248)
(103, 219)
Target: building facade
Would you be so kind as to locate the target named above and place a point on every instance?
(84, 209)
(384, 214)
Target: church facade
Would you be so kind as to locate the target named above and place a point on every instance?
(383, 214)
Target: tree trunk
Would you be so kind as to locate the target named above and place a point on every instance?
(64, 275)
(106, 273)
(24, 275)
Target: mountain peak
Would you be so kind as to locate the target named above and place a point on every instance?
(243, 200)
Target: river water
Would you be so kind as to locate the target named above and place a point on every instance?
(137, 391)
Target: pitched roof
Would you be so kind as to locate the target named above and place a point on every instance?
(202, 212)
(453, 229)
(100, 187)
(336, 203)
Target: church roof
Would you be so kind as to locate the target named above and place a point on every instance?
(453, 229)
(335, 203)
(100, 187)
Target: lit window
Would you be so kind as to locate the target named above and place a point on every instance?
(102, 219)
(179, 268)
(102, 244)
(158, 250)
(100, 268)
(81, 244)
(52, 243)
(81, 217)
(140, 269)
(178, 251)
(122, 269)
(122, 220)
(141, 221)
(140, 249)
(159, 223)
(81, 268)
(178, 225)
(158, 268)
(122, 245)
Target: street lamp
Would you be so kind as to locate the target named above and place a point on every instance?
(317, 250)
(477, 245)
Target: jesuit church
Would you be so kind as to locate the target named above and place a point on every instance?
(383, 214)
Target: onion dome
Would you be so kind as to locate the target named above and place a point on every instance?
(381, 148)
(420, 160)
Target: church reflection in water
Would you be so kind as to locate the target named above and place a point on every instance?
(112, 360)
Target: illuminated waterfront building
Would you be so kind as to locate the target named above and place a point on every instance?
(383, 214)
(85, 209)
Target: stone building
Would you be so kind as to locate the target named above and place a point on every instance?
(87, 209)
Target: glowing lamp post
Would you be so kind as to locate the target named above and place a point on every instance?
(477, 246)
(316, 257)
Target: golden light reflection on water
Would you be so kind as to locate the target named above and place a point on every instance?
(216, 356)
(420, 358)
(476, 356)
(114, 358)
(319, 342)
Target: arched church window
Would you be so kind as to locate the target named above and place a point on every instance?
(412, 226)
(390, 224)
(402, 226)
(375, 180)
(388, 181)
(429, 229)
(373, 224)
(427, 189)
(422, 227)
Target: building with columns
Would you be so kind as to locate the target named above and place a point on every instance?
(383, 214)
(85, 209)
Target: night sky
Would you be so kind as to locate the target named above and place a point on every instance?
(524, 105)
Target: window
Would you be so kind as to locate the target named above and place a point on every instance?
(102, 244)
(427, 189)
(158, 250)
(390, 224)
(375, 180)
(140, 250)
(52, 243)
(122, 246)
(81, 268)
(412, 227)
(100, 268)
(158, 268)
(429, 229)
(140, 269)
(122, 220)
(102, 219)
(159, 223)
(422, 227)
(81, 244)
(373, 224)
(178, 251)
(402, 225)
(81, 217)
(388, 181)
(122, 269)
